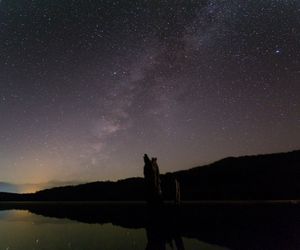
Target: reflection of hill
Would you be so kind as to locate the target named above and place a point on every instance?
(273, 176)
(236, 225)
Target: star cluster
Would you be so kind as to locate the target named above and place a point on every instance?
(87, 87)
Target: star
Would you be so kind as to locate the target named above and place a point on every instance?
(277, 51)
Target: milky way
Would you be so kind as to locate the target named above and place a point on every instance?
(87, 87)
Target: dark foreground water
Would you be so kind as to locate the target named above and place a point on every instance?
(134, 226)
(24, 230)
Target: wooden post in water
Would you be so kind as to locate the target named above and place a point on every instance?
(177, 192)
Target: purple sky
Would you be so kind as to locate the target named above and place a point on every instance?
(88, 87)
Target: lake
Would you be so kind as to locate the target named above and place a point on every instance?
(132, 226)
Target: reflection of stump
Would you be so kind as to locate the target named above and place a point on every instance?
(163, 229)
(152, 180)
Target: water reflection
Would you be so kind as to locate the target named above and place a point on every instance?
(162, 230)
(159, 237)
(24, 230)
(135, 226)
(37, 232)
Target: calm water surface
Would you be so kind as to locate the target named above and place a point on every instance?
(24, 230)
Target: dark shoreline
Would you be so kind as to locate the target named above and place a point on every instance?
(202, 202)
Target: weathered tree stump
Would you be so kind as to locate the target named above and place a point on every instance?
(152, 181)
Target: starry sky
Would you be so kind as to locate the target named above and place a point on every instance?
(88, 86)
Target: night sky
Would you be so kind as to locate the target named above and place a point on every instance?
(87, 87)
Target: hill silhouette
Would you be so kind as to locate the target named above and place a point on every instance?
(260, 177)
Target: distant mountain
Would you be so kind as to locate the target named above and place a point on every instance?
(261, 177)
(8, 187)
(29, 188)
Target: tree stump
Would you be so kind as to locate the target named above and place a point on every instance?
(152, 181)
